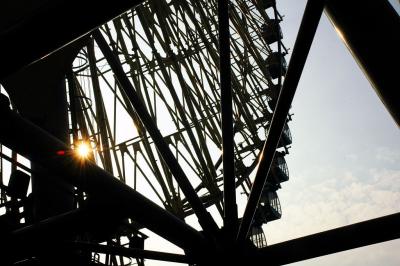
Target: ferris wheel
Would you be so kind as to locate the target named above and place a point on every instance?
(169, 53)
(170, 117)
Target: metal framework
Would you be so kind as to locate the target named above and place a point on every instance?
(184, 107)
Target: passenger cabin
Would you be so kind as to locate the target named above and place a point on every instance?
(286, 137)
(273, 96)
(279, 171)
(257, 236)
(269, 208)
(271, 32)
(276, 65)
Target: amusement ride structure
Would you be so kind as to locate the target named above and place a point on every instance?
(172, 109)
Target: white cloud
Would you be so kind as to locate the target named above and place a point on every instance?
(313, 207)
(365, 256)
(336, 202)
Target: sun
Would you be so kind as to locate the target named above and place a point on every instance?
(83, 150)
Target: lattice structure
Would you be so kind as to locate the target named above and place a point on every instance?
(132, 126)
(169, 50)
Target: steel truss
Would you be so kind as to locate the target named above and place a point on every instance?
(198, 85)
(174, 71)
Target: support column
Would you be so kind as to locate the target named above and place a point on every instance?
(51, 197)
(39, 94)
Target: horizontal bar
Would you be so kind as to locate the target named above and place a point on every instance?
(308, 27)
(48, 234)
(22, 243)
(356, 235)
(107, 193)
(128, 252)
(47, 26)
(12, 161)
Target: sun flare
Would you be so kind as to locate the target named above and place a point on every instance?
(83, 150)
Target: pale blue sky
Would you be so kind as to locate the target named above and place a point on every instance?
(344, 163)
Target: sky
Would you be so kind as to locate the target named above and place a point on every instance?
(344, 162)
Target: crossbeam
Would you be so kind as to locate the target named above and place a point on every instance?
(37, 145)
(356, 235)
(129, 252)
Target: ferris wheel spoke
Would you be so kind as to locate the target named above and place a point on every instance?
(228, 160)
(205, 219)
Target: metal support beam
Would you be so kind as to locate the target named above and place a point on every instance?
(207, 223)
(40, 147)
(336, 240)
(308, 27)
(129, 252)
(25, 242)
(228, 155)
(38, 93)
(48, 26)
(373, 43)
(28, 241)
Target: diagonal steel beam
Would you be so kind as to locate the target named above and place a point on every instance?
(206, 221)
(37, 145)
(308, 27)
(46, 26)
(336, 240)
(367, 38)
(228, 156)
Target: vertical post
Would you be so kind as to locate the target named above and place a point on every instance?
(72, 105)
(100, 112)
(45, 187)
(228, 159)
(308, 27)
(39, 94)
